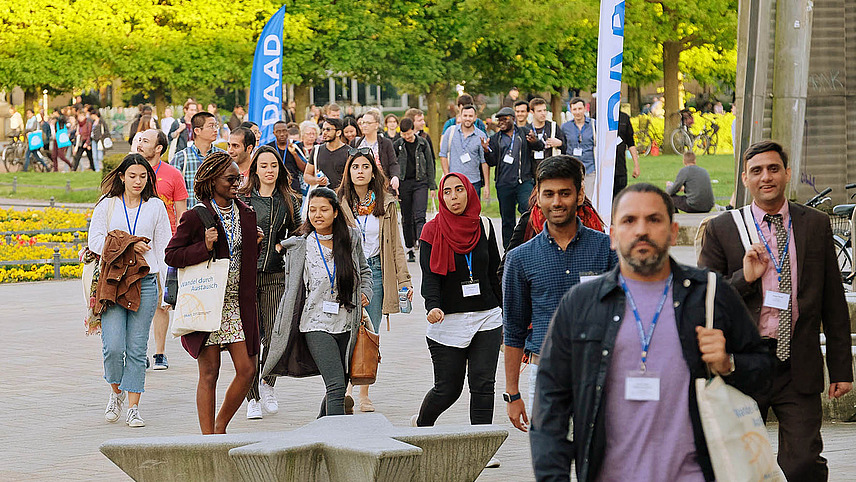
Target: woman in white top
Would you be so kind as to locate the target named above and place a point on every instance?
(367, 205)
(130, 204)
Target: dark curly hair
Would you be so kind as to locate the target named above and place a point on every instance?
(212, 167)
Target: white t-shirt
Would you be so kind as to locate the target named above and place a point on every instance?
(369, 225)
(152, 223)
(166, 124)
(458, 329)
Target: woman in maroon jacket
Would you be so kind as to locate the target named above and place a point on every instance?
(235, 236)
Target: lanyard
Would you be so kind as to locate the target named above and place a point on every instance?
(139, 208)
(364, 225)
(646, 340)
(469, 258)
(776, 264)
(158, 169)
(511, 147)
(229, 240)
(332, 276)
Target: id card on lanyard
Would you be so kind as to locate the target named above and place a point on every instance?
(509, 155)
(772, 298)
(328, 306)
(643, 385)
(471, 287)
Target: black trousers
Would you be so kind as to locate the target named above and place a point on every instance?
(79, 154)
(270, 288)
(478, 362)
(414, 205)
(800, 417)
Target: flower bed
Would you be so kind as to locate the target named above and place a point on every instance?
(45, 219)
(39, 273)
(31, 247)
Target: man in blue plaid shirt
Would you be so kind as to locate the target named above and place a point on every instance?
(187, 160)
(539, 272)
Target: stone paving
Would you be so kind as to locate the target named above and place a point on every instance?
(53, 394)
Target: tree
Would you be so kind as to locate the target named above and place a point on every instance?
(678, 25)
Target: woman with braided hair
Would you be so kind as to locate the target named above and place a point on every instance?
(231, 237)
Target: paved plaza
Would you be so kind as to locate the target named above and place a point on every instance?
(53, 396)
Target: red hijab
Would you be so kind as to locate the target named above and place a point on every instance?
(450, 233)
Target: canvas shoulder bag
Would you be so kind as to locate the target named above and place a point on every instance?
(736, 436)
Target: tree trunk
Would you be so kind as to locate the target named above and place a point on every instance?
(671, 85)
(117, 93)
(634, 95)
(160, 102)
(432, 117)
(102, 95)
(301, 100)
(31, 97)
(556, 107)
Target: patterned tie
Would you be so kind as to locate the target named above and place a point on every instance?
(783, 333)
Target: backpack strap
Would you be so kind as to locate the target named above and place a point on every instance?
(750, 222)
(486, 225)
(742, 218)
(449, 141)
(205, 216)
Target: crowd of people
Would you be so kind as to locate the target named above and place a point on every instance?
(320, 227)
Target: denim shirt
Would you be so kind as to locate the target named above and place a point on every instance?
(581, 138)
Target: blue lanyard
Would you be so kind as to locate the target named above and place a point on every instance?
(776, 264)
(469, 258)
(332, 276)
(364, 225)
(158, 169)
(229, 240)
(646, 340)
(139, 208)
(510, 151)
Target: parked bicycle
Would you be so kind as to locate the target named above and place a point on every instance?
(841, 221)
(705, 142)
(642, 137)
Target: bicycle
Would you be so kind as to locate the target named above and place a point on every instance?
(13, 153)
(841, 221)
(683, 140)
(643, 139)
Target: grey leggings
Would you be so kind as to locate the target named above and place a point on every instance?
(329, 351)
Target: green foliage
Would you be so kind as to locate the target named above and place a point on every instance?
(110, 162)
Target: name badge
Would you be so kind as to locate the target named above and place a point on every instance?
(642, 387)
(465, 158)
(508, 159)
(330, 307)
(539, 154)
(578, 151)
(470, 288)
(774, 299)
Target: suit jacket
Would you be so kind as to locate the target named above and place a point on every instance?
(187, 247)
(820, 294)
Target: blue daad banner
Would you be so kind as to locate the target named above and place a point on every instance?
(265, 101)
(610, 51)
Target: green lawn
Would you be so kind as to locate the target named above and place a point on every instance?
(55, 185)
(657, 170)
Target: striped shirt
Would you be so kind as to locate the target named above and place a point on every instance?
(538, 273)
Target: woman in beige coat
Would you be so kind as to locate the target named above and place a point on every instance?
(367, 206)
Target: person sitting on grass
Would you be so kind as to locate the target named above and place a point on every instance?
(695, 182)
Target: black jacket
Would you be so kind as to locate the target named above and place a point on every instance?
(576, 355)
(272, 216)
(524, 165)
(424, 162)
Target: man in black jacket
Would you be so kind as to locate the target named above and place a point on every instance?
(510, 152)
(417, 178)
(627, 388)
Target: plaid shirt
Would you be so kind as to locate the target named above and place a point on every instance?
(538, 273)
(192, 157)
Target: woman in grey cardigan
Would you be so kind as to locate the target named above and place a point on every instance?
(328, 281)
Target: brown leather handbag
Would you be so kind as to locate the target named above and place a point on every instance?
(366, 355)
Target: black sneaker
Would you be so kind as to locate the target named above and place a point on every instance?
(411, 257)
(160, 362)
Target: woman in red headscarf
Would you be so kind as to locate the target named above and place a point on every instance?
(463, 296)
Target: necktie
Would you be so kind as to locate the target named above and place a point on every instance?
(783, 333)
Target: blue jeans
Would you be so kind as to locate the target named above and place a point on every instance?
(125, 339)
(516, 195)
(478, 187)
(38, 157)
(98, 155)
(375, 308)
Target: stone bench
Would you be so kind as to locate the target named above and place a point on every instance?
(365, 447)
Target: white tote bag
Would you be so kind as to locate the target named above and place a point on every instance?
(201, 294)
(736, 436)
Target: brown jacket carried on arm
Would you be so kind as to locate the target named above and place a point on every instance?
(121, 271)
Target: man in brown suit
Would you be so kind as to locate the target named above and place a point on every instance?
(790, 281)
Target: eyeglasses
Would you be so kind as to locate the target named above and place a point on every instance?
(363, 151)
(329, 129)
(231, 179)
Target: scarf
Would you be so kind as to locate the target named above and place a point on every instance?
(448, 233)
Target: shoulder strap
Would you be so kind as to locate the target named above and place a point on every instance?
(110, 207)
(449, 141)
(205, 216)
(486, 225)
(741, 228)
(750, 222)
(315, 157)
(711, 296)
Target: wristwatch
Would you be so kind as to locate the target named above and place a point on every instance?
(511, 398)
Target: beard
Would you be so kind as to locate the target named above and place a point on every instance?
(648, 265)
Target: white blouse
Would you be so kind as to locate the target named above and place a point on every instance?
(369, 225)
(153, 223)
(458, 329)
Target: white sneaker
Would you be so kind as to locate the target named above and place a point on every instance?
(492, 463)
(254, 410)
(269, 403)
(114, 406)
(134, 419)
(413, 420)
